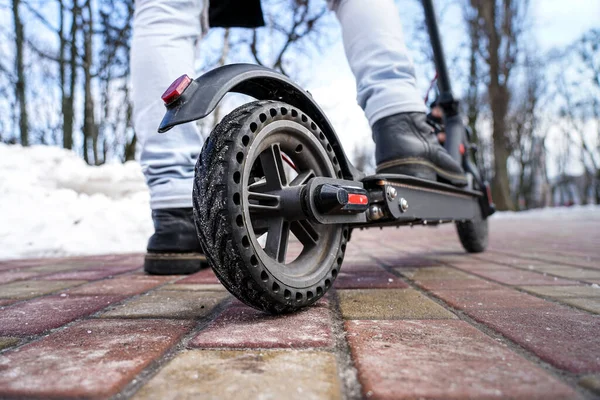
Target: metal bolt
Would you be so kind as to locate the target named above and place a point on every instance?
(374, 213)
(391, 193)
(403, 204)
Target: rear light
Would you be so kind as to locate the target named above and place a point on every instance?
(461, 149)
(358, 199)
(176, 89)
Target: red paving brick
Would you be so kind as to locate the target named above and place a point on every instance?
(443, 359)
(457, 284)
(517, 277)
(204, 276)
(11, 276)
(565, 338)
(84, 274)
(368, 280)
(91, 359)
(126, 285)
(501, 298)
(243, 327)
(42, 314)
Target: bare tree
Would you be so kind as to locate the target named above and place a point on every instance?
(20, 84)
(291, 24)
(501, 24)
(578, 88)
(527, 137)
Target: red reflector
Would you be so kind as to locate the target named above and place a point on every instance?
(176, 89)
(357, 199)
(461, 148)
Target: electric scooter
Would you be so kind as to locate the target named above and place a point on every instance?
(275, 196)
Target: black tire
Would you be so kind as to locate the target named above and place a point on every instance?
(224, 220)
(473, 234)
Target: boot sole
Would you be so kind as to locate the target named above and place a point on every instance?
(420, 168)
(174, 263)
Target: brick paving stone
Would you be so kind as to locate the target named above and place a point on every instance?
(389, 304)
(267, 374)
(84, 274)
(422, 274)
(169, 304)
(92, 359)
(496, 258)
(23, 263)
(443, 359)
(127, 285)
(564, 291)
(480, 266)
(568, 272)
(368, 280)
(414, 262)
(245, 327)
(517, 277)
(204, 276)
(546, 258)
(356, 264)
(39, 315)
(194, 287)
(11, 276)
(585, 303)
(457, 284)
(501, 298)
(59, 267)
(22, 290)
(6, 342)
(591, 382)
(566, 338)
(6, 302)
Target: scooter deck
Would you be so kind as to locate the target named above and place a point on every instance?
(422, 201)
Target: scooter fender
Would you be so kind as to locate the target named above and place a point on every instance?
(204, 93)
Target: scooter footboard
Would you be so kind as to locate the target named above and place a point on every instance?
(409, 199)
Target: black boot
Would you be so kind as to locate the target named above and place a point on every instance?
(174, 248)
(404, 144)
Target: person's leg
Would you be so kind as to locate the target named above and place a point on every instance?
(377, 54)
(163, 48)
(387, 92)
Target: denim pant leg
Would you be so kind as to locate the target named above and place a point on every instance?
(163, 48)
(378, 57)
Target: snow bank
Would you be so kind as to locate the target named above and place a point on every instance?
(53, 204)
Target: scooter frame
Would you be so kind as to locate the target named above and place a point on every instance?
(350, 199)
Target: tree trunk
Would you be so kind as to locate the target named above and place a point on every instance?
(499, 63)
(500, 183)
(20, 86)
(90, 133)
(68, 104)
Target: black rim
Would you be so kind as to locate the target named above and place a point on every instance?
(283, 157)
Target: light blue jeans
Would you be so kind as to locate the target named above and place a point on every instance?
(163, 47)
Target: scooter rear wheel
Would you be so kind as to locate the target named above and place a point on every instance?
(246, 209)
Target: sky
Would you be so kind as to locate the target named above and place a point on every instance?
(333, 86)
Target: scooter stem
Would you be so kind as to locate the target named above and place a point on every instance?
(452, 121)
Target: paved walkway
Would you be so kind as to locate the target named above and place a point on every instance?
(411, 316)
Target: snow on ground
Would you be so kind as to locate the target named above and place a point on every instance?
(53, 204)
